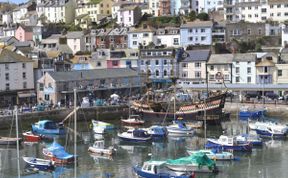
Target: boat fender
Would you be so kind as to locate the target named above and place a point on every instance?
(193, 175)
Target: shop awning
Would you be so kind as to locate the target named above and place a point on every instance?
(26, 94)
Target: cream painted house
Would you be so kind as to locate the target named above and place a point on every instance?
(56, 11)
(140, 36)
(88, 11)
(281, 74)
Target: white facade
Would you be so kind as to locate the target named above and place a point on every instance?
(167, 40)
(76, 41)
(154, 7)
(129, 16)
(14, 76)
(206, 5)
(7, 18)
(9, 32)
(255, 11)
(141, 37)
(243, 72)
(284, 36)
(18, 14)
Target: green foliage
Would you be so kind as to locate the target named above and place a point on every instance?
(258, 47)
(95, 1)
(164, 21)
(73, 27)
(83, 53)
(220, 48)
(203, 16)
(192, 16)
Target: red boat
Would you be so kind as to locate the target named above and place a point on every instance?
(133, 120)
(30, 137)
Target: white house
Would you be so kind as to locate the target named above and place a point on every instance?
(168, 36)
(206, 5)
(129, 15)
(284, 36)
(76, 41)
(55, 11)
(7, 18)
(196, 33)
(154, 7)
(255, 10)
(16, 76)
(243, 68)
(141, 36)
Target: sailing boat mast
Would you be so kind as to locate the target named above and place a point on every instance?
(75, 133)
(17, 142)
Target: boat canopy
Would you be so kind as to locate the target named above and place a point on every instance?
(58, 151)
(46, 124)
(140, 133)
(198, 158)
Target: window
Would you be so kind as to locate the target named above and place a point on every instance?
(202, 30)
(249, 62)
(211, 77)
(197, 65)
(134, 42)
(190, 38)
(184, 74)
(165, 73)
(279, 73)
(184, 65)
(145, 34)
(248, 79)
(47, 97)
(197, 74)
(203, 38)
(129, 19)
(249, 8)
(7, 86)
(6, 66)
(98, 64)
(157, 73)
(237, 79)
(134, 35)
(237, 70)
(226, 68)
(24, 75)
(271, 6)
(41, 86)
(7, 76)
(226, 77)
(190, 30)
(165, 62)
(259, 31)
(279, 6)
(157, 62)
(211, 68)
(24, 85)
(279, 14)
(176, 41)
(148, 62)
(263, 10)
(114, 63)
(249, 31)
(249, 70)
(23, 65)
(265, 69)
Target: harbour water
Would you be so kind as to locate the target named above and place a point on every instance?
(269, 161)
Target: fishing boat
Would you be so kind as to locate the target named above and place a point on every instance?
(99, 148)
(101, 127)
(135, 135)
(157, 131)
(214, 154)
(273, 125)
(198, 162)
(57, 153)
(10, 141)
(133, 120)
(30, 137)
(228, 143)
(157, 169)
(270, 131)
(48, 127)
(248, 113)
(254, 139)
(41, 164)
(180, 128)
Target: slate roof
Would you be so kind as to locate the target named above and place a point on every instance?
(220, 59)
(92, 74)
(265, 63)
(197, 23)
(76, 34)
(197, 55)
(7, 56)
(245, 57)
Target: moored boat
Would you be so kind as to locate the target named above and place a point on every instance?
(101, 127)
(135, 135)
(99, 148)
(180, 128)
(198, 162)
(269, 129)
(254, 139)
(157, 131)
(47, 127)
(30, 137)
(246, 113)
(157, 169)
(10, 141)
(57, 153)
(228, 143)
(214, 154)
(133, 120)
(41, 164)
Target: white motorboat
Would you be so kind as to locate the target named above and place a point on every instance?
(99, 148)
(180, 128)
(214, 154)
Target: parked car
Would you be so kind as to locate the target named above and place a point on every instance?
(272, 96)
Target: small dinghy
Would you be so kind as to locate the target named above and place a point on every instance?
(41, 164)
(99, 148)
(30, 137)
(57, 153)
(101, 127)
(133, 120)
(9, 141)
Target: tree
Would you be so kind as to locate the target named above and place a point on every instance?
(203, 16)
(258, 47)
(192, 16)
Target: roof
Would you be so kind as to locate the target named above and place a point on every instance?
(197, 55)
(7, 56)
(53, 54)
(81, 16)
(197, 23)
(128, 8)
(76, 34)
(220, 59)
(244, 57)
(27, 28)
(265, 63)
(65, 49)
(140, 30)
(92, 74)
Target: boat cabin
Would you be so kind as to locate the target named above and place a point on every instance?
(99, 144)
(46, 124)
(227, 140)
(140, 133)
(152, 166)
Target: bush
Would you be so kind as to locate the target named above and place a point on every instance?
(203, 16)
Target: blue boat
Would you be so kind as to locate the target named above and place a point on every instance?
(47, 127)
(57, 153)
(253, 139)
(135, 135)
(157, 169)
(269, 132)
(246, 113)
(157, 132)
(228, 143)
(179, 128)
(41, 164)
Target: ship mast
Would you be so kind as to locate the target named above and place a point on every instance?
(174, 80)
